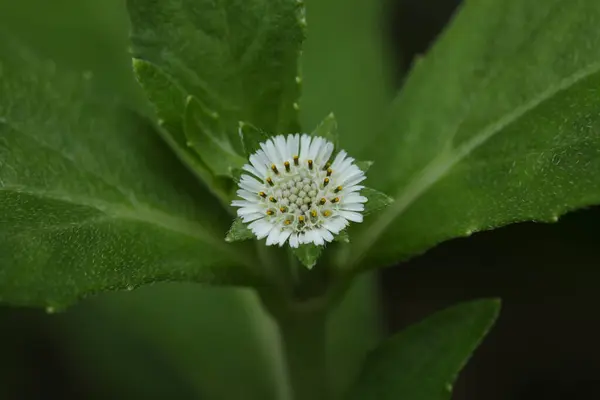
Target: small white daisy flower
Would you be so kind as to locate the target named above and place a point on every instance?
(293, 191)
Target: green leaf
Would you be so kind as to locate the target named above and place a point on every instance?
(169, 102)
(328, 129)
(238, 232)
(239, 58)
(204, 132)
(251, 137)
(497, 124)
(342, 237)
(376, 200)
(422, 362)
(308, 254)
(91, 198)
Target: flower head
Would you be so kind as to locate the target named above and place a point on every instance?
(294, 192)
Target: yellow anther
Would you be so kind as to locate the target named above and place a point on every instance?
(301, 218)
(274, 169)
(338, 189)
(296, 162)
(287, 222)
(322, 201)
(336, 200)
(287, 166)
(326, 213)
(272, 199)
(325, 182)
(270, 181)
(283, 209)
(270, 212)
(314, 213)
(326, 167)
(329, 171)
(262, 194)
(310, 164)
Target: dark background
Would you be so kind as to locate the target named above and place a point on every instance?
(544, 344)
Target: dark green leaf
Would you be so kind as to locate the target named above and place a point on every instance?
(239, 58)
(328, 130)
(423, 361)
(308, 254)
(497, 124)
(204, 132)
(238, 232)
(90, 199)
(376, 200)
(251, 137)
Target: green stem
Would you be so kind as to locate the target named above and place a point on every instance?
(304, 334)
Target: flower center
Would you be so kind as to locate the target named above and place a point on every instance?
(300, 195)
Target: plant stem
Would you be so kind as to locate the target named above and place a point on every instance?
(304, 334)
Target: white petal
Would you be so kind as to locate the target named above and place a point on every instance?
(353, 207)
(315, 147)
(273, 236)
(354, 198)
(250, 184)
(352, 188)
(248, 210)
(354, 180)
(252, 217)
(293, 143)
(325, 153)
(317, 238)
(335, 224)
(284, 236)
(338, 159)
(252, 170)
(281, 146)
(351, 216)
(244, 203)
(351, 170)
(246, 195)
(274, 156)
(294, 240)
(302, 238)
(304, 146)
(261, 228)
(326, 234)
(258, 164)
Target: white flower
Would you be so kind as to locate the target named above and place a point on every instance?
(293, 192)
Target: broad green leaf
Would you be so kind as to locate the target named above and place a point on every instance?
(251, 137)
(328, 130)
(238, 232)
(91, 199)
(377, 201)
(308, 254)
(169, 102)
(497, 124)
(239, 58)
(205, 135)
(423, 361)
